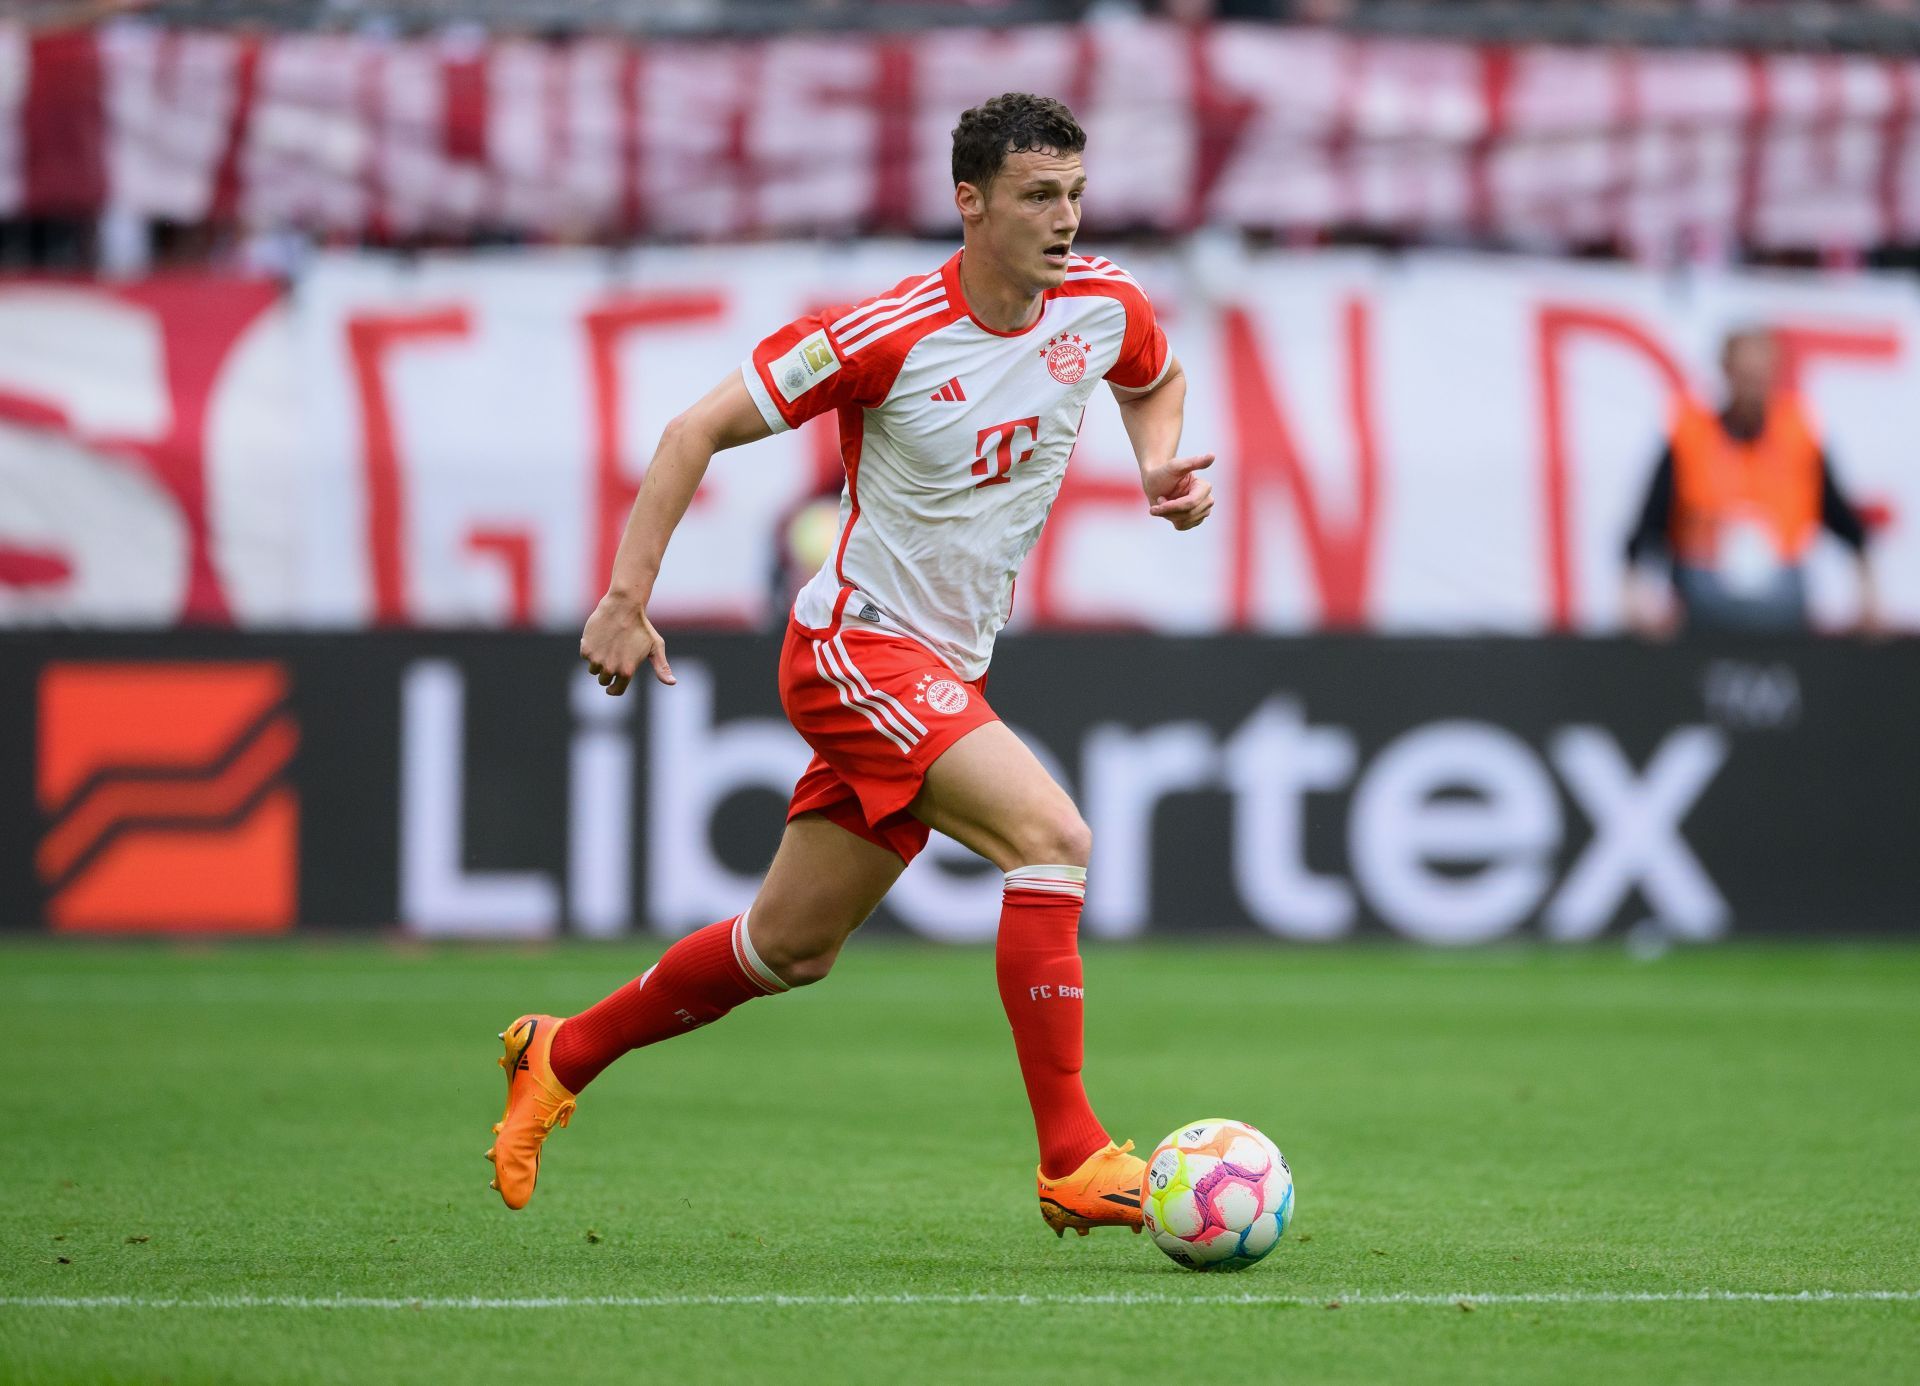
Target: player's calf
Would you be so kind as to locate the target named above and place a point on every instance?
(1037, 965)
(696, 982)
(549, 1061)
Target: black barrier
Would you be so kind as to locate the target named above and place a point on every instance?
(1447, 791)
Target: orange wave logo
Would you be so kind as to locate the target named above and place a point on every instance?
(165, 792)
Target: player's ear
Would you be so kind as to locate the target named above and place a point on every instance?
(971, 200)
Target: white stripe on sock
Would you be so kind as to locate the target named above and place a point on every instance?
(743, 948)
(1049, 880)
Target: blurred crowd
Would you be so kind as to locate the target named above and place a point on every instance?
(1337, 11)
(66, 241)
(1862, 23)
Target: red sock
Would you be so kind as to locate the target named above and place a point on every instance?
(698, 980)
(1037, 962)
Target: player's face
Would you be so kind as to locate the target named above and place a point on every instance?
(1032, 214)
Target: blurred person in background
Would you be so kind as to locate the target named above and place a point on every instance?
(807, 532)
(1735, 504)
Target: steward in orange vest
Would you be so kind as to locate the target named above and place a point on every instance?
(1736, 502)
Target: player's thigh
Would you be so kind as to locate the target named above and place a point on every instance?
(989, 792)
(822, 885)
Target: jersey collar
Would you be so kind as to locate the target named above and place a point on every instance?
(955, 294)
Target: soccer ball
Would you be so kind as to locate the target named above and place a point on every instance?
(1219, 1195)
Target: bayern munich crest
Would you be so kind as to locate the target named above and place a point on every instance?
(1066, 357)
(942, 695)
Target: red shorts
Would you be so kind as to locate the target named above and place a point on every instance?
(878, 710)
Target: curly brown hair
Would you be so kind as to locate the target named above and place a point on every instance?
(1014, 123)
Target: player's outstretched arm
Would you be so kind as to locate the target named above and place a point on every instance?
(619, 638)
(1153, 418)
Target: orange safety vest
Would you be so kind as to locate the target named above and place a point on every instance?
(1772, 481)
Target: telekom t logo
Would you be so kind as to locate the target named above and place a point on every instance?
(994, 454)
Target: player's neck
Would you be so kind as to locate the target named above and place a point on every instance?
(994, 299)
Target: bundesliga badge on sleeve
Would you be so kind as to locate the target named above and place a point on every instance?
(811, 361)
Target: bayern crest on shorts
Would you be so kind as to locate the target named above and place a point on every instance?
(1066, 357)
(942, 695)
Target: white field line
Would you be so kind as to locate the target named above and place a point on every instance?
(1356, 1301)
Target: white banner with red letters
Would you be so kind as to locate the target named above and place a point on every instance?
(1672, 153)
(1431, 442)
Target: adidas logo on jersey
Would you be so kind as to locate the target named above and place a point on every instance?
(950, 392)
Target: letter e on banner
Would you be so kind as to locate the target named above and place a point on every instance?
(1410, 817)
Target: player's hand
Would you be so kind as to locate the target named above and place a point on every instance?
(618, 640)
(1175, 493)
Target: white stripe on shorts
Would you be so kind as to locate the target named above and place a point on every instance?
(847, 698)
(863, 692)
(846, 662)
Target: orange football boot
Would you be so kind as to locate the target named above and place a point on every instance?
(1103, 1192)
(536, 1103)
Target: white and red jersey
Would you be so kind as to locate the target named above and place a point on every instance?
(955, 438)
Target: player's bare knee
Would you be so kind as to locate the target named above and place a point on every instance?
(805, 960)
(802, 955)
(1058, 837)
(804, 972)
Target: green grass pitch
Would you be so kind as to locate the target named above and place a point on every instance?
(1513, 1166)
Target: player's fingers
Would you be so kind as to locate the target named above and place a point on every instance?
(658, 658)
(1181, 504)
(1181, 489)
(593, 665)
(619, 685)
(1201, 509)
(605, 677)
(1184, 465)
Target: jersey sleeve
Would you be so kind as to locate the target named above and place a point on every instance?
(1144, 355)
(800, 371)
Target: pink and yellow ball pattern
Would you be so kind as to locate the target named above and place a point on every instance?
(1218, 1196)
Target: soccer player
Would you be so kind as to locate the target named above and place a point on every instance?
(958, 395)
